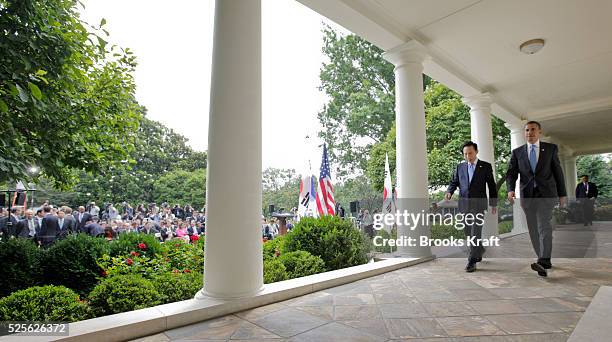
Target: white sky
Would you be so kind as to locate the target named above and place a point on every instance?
(173, 45)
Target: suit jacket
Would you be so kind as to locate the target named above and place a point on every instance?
(6, 232)
(80, 225)
(23, 230)
(548, 175)
(49, 229)
(72, 223)
(94, 229)
(473, 195)
(582, 193)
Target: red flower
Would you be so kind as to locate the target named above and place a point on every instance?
(135, 254)
(103, 273)
(187, 271)
(175, 271)
(194, 238)
(142, 246)
(129, 262)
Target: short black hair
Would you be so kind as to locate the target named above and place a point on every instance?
(47, 209)
(534, 123)
(587, 176)
(469, 143)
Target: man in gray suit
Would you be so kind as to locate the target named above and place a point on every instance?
(542, 182)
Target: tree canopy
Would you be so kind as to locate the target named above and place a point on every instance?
(66, 97)
(158, 150)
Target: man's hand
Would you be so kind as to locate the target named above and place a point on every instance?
(447, 196)
(562, 201)
(511, 196)
(493, 210)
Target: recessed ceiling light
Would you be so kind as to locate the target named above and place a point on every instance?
(532, 46)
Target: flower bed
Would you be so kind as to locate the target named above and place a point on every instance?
(83, 277)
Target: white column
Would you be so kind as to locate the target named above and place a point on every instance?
(571, 176)
(517, 138)
(482, 135)
(233, 265)
(411, 147)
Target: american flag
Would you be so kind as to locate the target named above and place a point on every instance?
(326, 205)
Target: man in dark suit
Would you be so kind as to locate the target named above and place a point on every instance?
(472, 177)
(50, 229)
(82, 218)
(28, 228)
(586, 193)
(542, 182)
(71, 221)
(7, 230)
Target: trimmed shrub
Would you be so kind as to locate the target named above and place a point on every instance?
(385, 236)
(603, 213)
(133, 264)
(301, 263)
(446, 231)
(72, 262)
(145, 244)
(177, 286)
(184, 256)
(505, 227)
(20, 265)
(44, 303)
(335, 240)
(274, 271)
(123, 293)
(273, 248)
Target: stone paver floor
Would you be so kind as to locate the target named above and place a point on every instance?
(434, 301)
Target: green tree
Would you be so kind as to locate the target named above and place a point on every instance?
(599, 172)
(158, 150)
(66, 96)
(181, 187)
(281, 187)
(360, 112)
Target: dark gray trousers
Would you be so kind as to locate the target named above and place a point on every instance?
(538, 212)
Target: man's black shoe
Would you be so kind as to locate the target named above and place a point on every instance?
(471, 267)
(540, 269)
(545, 262)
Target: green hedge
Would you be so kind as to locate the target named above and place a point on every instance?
(177, 286)
(603, 213)
(505, 227)
(72, 262)
(273, 248)
(44, 303)
(20, 265)
(445, 232)
(301, 263)
(182, 255)
(123, 293)
(145, 244)
(333, 239)
(273, 271)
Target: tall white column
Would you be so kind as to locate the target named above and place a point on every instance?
(571, 176)
(233, 264)
(411, 147)
(482, 135)
(517, 138)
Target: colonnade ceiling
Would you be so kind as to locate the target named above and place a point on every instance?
(474, 47)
